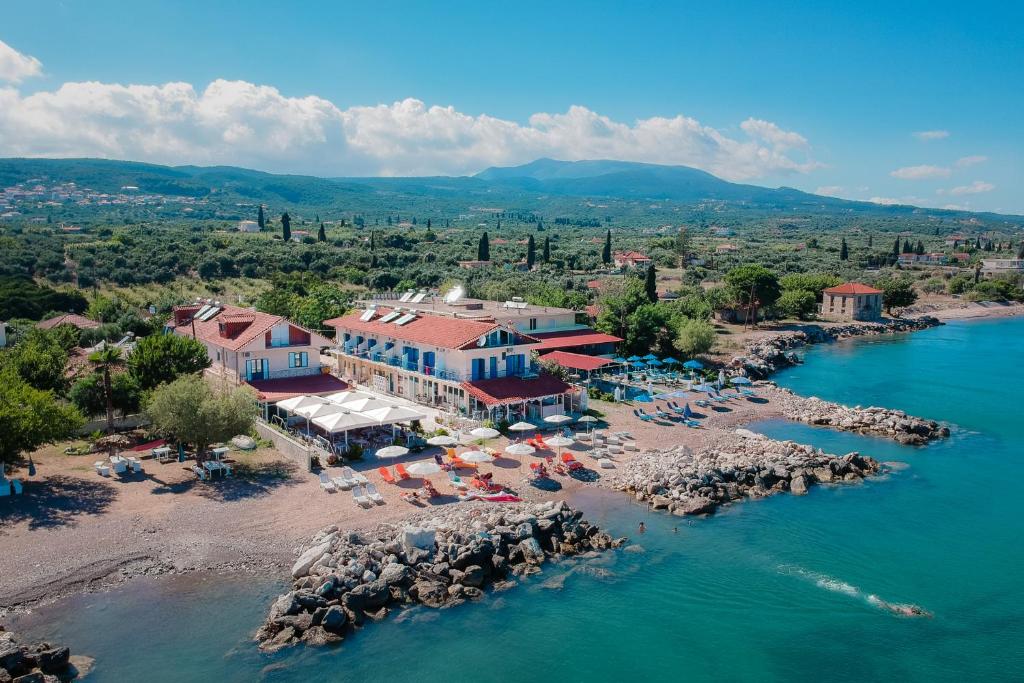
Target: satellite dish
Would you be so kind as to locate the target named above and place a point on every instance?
(454, 294)
(482, 341)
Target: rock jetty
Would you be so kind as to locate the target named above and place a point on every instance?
(740, 465)
(873, 420)
(769, 354)
(342, 579)
(38, 662)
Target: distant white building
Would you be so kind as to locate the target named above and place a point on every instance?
(3, 334)
(996, 266)
(248, 226)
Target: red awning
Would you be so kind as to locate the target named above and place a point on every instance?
(506, 390)
(576, 361)
(572, 338)
(274, 390)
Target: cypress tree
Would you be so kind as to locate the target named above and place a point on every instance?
(651, 284)
(907, 249)
(896, 248)
(1020, 251)
(606, 253)
(483, 249)
(844, 251)
(322, 235)
(870, 240)
(260, 220)
(547, 249)
(373, 240)
(428, 224)
(919, 249)
(531, 253)
(286, 226)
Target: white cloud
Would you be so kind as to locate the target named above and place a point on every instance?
(977, 187)
(922, 172)
(973, 160)
(931, 134)
(906, 201)
(830, 190)
(16, 67)
(235, 122)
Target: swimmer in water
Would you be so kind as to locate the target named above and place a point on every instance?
(675, 530)
(901, 610)
(642, 527)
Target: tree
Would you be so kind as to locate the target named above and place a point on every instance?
(682, 245)
(695, 337)
(105, 359)
(651, 283)
(428, 224)
(919, 249)
(871, 240)
(606, 253)
(844, 251)
(483, 248)
(617, 303)
(1020, 250)
(547, 249)
(896, 293)
(39, 360)
(30, 418)
(531, 253)
(797, 303)
(260, 219)
(896, 248)
(757, 280)
(907, 249)
(322, 235)
(809, 282)
(87, 394)
(286, 226)
(161, 358)
(189, 410)
(321, 303)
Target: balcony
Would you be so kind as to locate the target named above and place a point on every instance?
(397, 361)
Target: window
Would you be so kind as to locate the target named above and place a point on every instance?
(533, 323)
(298, 360)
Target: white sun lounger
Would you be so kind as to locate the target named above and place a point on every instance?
(199, 472)
(360, 497)
(353, 476)
(326, 484)
(342, 483)
(373, 494)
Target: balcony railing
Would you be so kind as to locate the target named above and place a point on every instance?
(397, 361)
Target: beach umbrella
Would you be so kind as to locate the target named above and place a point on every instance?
(558, 419)
(618, 359)
(639, 363)
(181, 452)
(366, 404)
(633, 358)
(390, 414)
(649, 356)
(587, 419)
(654, 362)
(391, 452)
(476, 456)
(295, 402)
(670, 361)
(687, 413)
(693, 365)
(559, 442)
(521, 427)
(484, 433)
(423, 468)
(345, 396)
(442, 440)
(312, 410)
(664, 396)
(704, 387)
(736, 381)
(519, 449)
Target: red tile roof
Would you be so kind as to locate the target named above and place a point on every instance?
(280, 389)
(432, 330)
(570, 338)
(853, 288)
(504, 390)
(239, 333)
(575, 361)
(81, 322)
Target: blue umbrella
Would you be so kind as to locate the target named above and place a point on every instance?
(639, 364)
(649, 356)
(655, 362)
(739, 380)
(181, 452)
(704, 387)
(686, 411)
(662, 397)
(670, 361)
(634, 358)
(678, 394)
(618, 359)
(693, 365)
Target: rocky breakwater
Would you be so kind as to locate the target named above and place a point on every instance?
(737, 466)
(37, 662)
(342, 579)
(873, 420)
(769, 354)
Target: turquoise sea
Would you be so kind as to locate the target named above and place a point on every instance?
(769, 590)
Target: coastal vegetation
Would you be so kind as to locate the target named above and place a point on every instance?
(191, 410)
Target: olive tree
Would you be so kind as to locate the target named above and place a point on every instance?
(191, 410)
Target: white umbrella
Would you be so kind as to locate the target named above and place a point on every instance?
(365, 404)
(389, 414)
(475, 456)
(519, 449)
(345, 396)
(291, 404)
(392, 451)
(484, 433)
(559, 442)
(342, 422)
(521, 427)
(318, 410)
(558, 419)
(443, 440)
(423, 468)
(587, 418)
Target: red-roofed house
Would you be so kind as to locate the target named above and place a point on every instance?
(249, 346)
(439, 359)
(630, 259)
(78, 321)
(851, 301)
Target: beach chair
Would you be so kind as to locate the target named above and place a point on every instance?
(373, 494)
(748, 392)
(353, 476)
(701, 403)
(199, 472)
(642, 415)
(571, 462)
(660, 413)
(539, 440)
(460, 464)
(102, 468)
(386, 475)
(361, 498)
(457, 482)
(342, 482)
(400, 471)
(326, 484)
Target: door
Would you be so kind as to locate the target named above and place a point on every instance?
(494, 367)
(428, 363)
(478, 369)
(257, 369)
(515, 364)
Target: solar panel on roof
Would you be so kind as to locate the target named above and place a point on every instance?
(390, 316)
(367, 315)
(214, 310)
(418, 298)
(405, 319)
(201, 311)
(406, 296)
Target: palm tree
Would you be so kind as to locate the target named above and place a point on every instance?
(104, 359)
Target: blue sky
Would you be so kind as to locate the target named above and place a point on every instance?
(835, 91)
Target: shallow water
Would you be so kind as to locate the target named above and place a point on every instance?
(777, 589)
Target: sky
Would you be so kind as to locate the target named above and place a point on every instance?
(909, 102)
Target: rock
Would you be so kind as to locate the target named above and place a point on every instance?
(531, 551)
(473, 576)
(396, 574)
(697, 505)
(430, 593)
(11, 657)
(368, 596)
(798, 485)
(660, 502)
(334, 620)
(34, 677)
(308, 559)
(319, 637)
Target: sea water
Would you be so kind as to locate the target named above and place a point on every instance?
(777, 589)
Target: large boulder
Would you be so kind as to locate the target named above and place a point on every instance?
(473, 576)
(308, 559)
(693, 505)
(395, 573)
(368, 596)
(430, 593)
(798, 485)
(334, 619)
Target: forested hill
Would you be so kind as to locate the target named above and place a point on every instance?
(546, 187)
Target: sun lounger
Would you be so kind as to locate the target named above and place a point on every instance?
(605, 464)
(539, 440)
(457, 482)
(373, 494)
(199, 472)
(386, 475)
(361, 498)
(135, 464)
(458, 463)
(353, 476)
(571, 462)
(748, 392)
(701, 403)
(342, 483)
(400, 471)
(326, 484)
(102, 468)
(642, 415)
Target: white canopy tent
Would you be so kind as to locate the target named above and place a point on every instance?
(296, 402)
(392, 414)
(366, 403)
